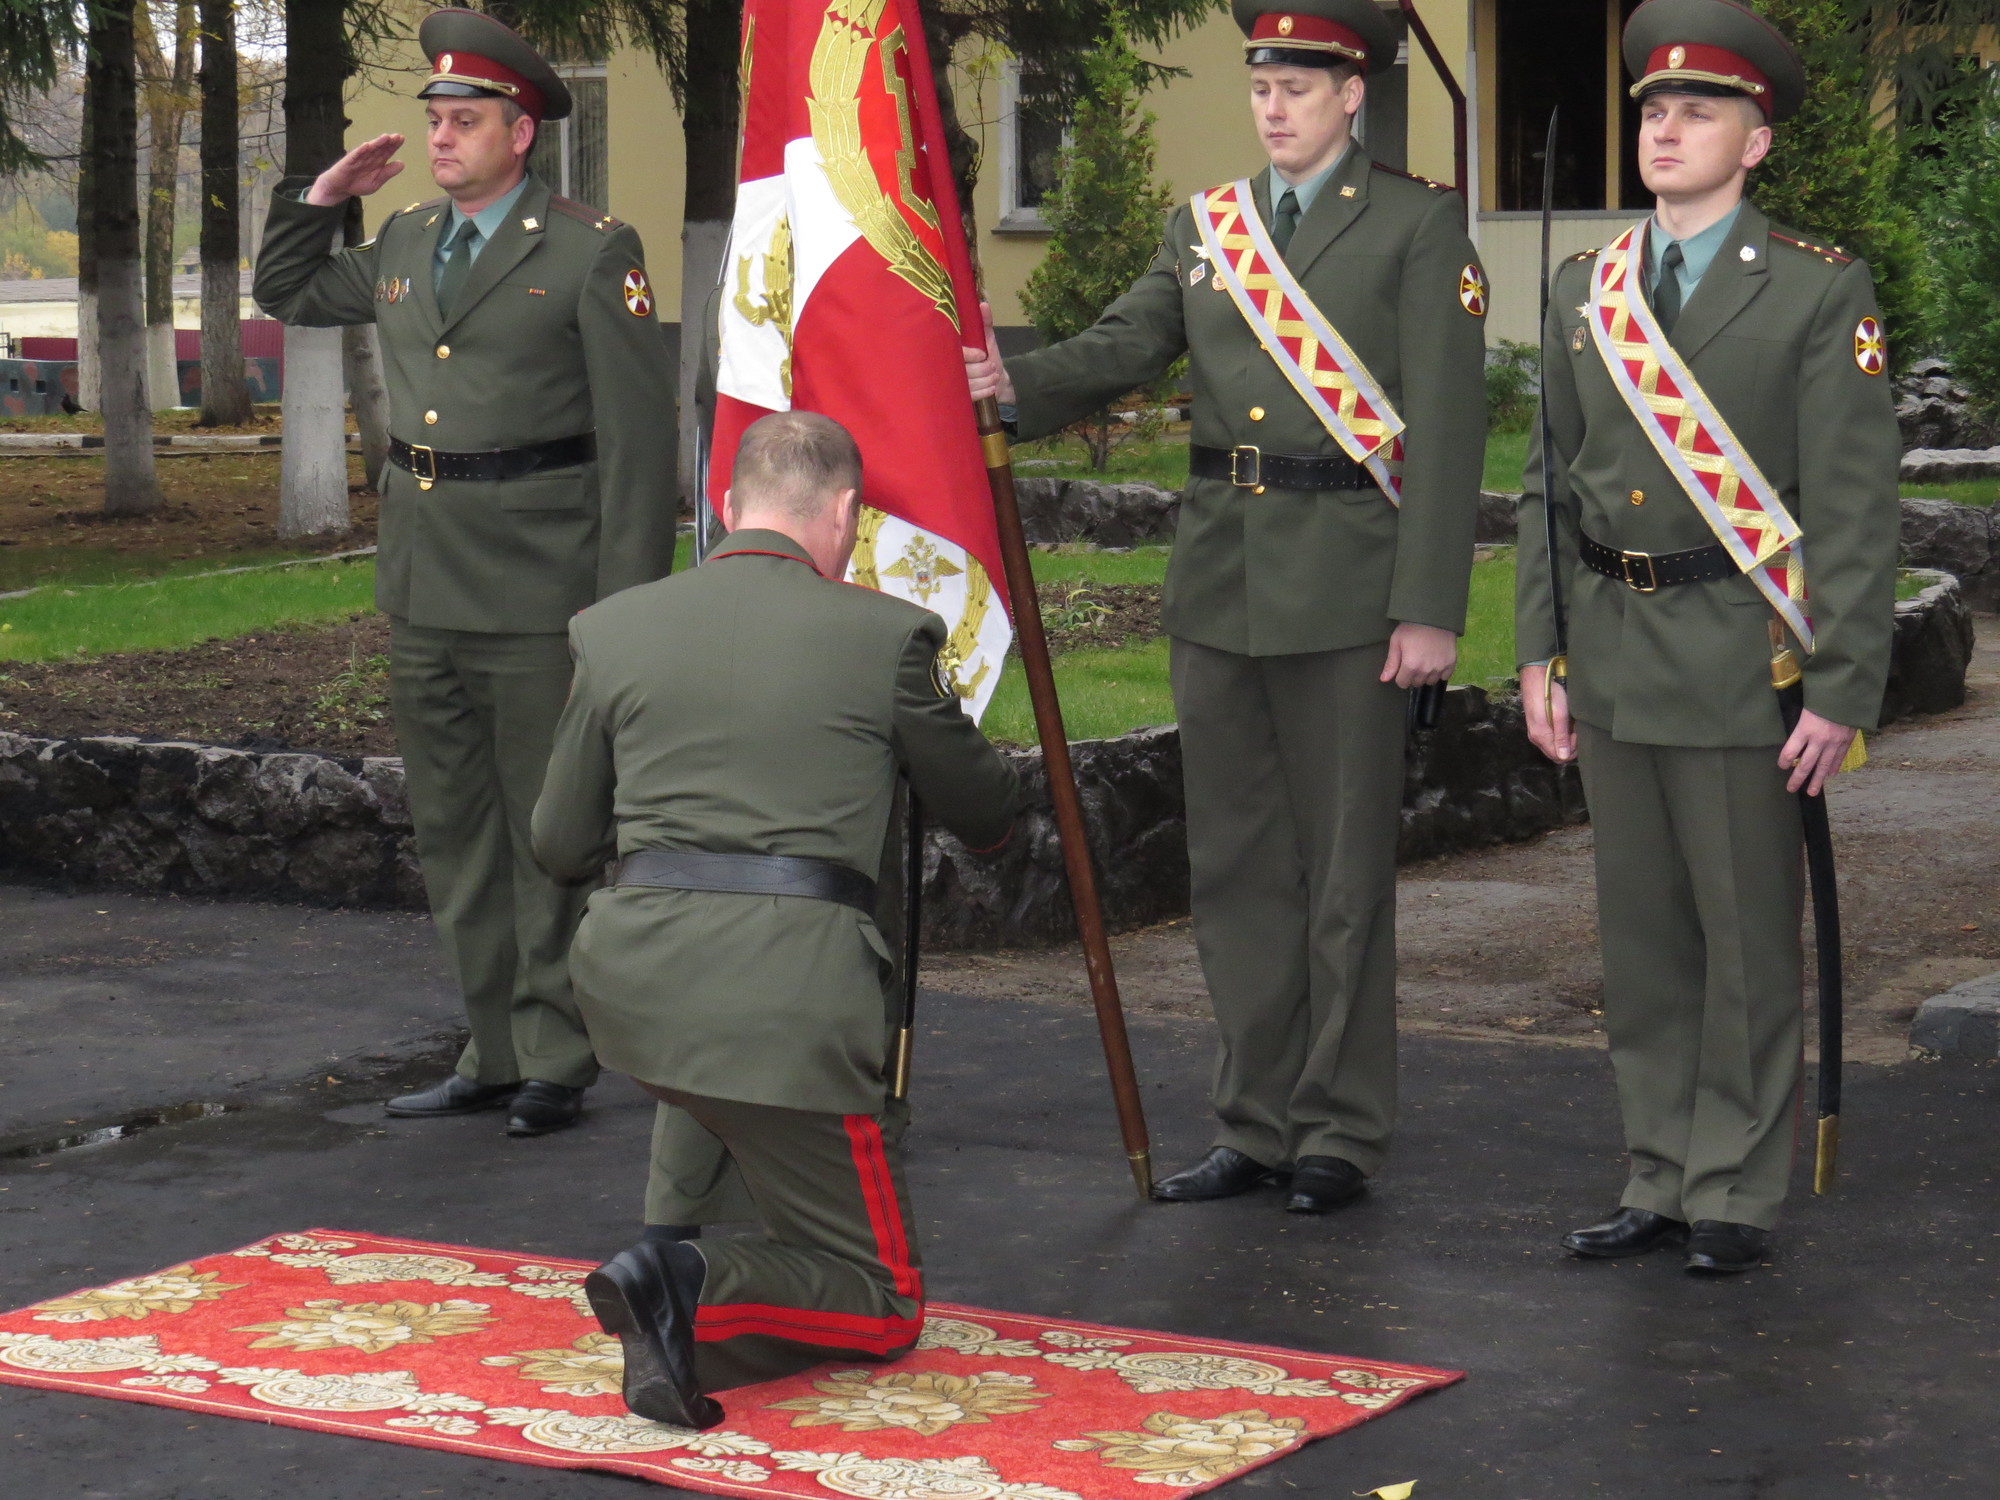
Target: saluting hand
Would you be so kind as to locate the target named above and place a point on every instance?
(1557, 739)
(359, 173)
(983, 370)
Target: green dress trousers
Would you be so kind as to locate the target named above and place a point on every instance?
(1294, 773)
(475, 717)
(1699, 885)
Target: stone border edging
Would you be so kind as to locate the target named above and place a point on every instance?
(207, 821)
(1963, 1022)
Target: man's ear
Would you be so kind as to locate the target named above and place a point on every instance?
(850, 507)
(1352, 93)
(729, 510)
(524, 136)
(1755, 149)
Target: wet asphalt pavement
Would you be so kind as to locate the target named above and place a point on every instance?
(1861, 1363)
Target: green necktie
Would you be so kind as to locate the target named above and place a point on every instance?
(1667, 295)
(1285, 220)
(457, 266)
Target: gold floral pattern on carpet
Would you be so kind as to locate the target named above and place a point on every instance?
(44, 1352)
(969, 1478)
(962, 1337)
(624, 1433)
(592, 1366)
(368, 1327)
(554, 1283)
(175, 1290)
(1178, 1450)
(358, 1270)
(268, 1249)
(364, 1390)
(925, 1402)
(1189, 1370)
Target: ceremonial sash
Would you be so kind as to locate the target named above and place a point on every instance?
(1692, 439)
(1348, 401)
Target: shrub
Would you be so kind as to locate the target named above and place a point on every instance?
(1513, 380)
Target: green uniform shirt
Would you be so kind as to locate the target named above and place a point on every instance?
(1774, 334)
(1385, 258)
(751, 707)
(554, 335)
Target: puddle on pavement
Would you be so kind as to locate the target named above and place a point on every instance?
(130, 1125)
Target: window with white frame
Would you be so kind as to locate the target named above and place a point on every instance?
(1033, 124)
(572, 155)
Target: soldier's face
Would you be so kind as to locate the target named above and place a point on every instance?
(1304, 115)
(1691, 145)
(473, 149)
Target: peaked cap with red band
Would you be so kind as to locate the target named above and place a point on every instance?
(474, 56)
(1713, 47)
(1316, 34)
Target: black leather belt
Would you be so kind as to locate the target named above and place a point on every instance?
(749, 875)
(430, 465)
(1249, 467)
(1643, 572)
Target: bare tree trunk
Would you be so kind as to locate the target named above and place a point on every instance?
(709, 128)
(368, 394)
(89, 389)
(312, 492)
(225, 398)
(166, 84)
(131, 488)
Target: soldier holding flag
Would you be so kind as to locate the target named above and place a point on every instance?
(1724, 477)
(1333, 313)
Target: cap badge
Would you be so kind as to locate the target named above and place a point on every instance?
(444, 62)
(1676, 57)
(1472, 291)
(1871, 351)
(1284, 26)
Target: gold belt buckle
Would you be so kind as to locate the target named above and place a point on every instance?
(1256, 466)
(424, 481)
(1652, 583)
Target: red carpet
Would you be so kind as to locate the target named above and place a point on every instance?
(483, 1352)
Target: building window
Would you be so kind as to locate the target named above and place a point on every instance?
(1563, 54)
(1383, 125)
(1033, 125)
(572, 155)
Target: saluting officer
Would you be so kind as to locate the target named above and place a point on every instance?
(1725, 477)
(532, 413)
(743, 776)
(1332, 311)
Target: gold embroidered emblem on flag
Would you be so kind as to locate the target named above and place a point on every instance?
(1689, 434)
(1310, 352)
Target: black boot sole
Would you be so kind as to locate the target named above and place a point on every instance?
(1664, 1242)
(650, 1389)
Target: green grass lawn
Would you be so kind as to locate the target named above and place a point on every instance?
(71, 566)
(61, 621)
(1162, 461)
(1506, 457)
(1983, 492)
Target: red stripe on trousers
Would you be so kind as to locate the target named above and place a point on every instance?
(880, 1335)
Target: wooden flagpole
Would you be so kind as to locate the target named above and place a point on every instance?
(1062, 793)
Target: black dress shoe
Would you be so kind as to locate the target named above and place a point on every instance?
(457, 1095)
(1630, 1231)
(670, 1234)
(1223, 1173)
(541, 1107)
(1716, 1248)
(645, 1298)
(1320, 1184)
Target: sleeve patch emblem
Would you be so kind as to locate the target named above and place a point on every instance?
(1871, 349)
(941, 677)
(1472, 291)
(638, 294)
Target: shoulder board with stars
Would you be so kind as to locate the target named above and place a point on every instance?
(1434, 186)
(1833, 255)
(583, 213)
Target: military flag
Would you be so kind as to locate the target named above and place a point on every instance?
(848, 289)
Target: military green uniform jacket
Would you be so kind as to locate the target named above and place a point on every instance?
(1382, 256)
(1771, 337)
(544, 343)
(751, 706)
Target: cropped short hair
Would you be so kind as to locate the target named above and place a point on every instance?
(794, 462)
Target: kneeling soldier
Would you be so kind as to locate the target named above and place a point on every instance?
(1716, 396)
(735, 735)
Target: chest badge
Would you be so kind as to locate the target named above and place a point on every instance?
(1871, 349)
(638, 294)
(1576, 341)
(1198, 274)
(1472, 291)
